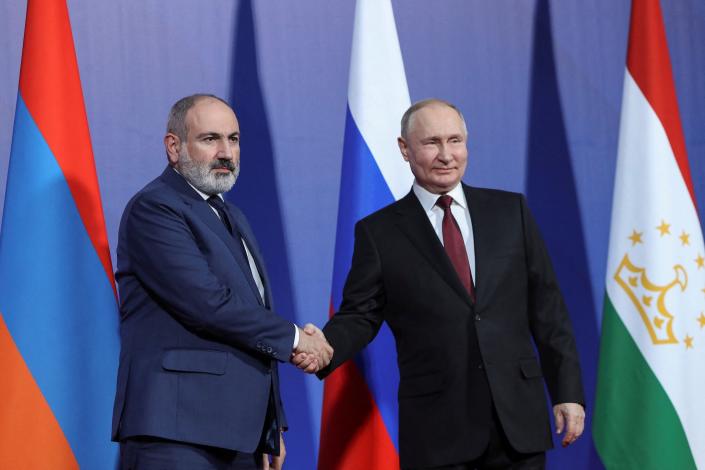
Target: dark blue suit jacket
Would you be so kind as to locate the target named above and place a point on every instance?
(199, 347)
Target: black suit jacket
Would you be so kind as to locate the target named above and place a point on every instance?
(457, 358)
(199, 346)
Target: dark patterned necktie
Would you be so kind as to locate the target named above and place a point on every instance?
(217, 203)
(455, 246)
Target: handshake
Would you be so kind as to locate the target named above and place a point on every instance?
(313, 352)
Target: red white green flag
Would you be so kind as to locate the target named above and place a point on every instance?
(650, 411)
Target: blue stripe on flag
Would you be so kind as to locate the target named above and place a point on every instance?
(57, 302)
(363, 190)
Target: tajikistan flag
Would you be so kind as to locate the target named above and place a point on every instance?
(650, 407)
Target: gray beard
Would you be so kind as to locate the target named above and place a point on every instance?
(201, 177)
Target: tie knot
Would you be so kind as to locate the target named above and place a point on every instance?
(216, 202)
(444, 202)
(219, 205)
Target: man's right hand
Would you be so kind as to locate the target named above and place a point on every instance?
(313, 352)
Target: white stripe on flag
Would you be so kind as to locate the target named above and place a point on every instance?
(649, 190)
(378, 93)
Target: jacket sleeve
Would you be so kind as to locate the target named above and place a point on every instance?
(549, 320)
(361, 311)
(168, 260)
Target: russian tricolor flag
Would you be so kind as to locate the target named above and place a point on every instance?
(58, 310)
(360, 418)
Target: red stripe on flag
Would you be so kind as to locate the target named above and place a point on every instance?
(353, 434)
(51, 88)
(649, 63)
(30, 436)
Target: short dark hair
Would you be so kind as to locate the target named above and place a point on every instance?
(176, 123)
(409, 113)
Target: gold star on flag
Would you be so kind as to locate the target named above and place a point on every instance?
(664, 228)
(685, 238)
(635, 237)
(700, 261)
(701, 320)
(688, 342)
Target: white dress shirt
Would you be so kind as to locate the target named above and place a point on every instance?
(459, 209)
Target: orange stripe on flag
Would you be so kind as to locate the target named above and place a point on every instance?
(30, 436)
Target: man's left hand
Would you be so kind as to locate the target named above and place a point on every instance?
(277, 461)
(571, 417)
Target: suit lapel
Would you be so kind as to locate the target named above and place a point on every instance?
(249, 239)
(414, 223)
(211, 219)
(204, 211)
(482, 240)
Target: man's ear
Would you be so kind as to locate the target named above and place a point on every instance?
(403, 148)
(172, 144)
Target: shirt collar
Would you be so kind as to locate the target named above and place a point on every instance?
(428, 199)
(200, 193)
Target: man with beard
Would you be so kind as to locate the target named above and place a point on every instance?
(198, 385)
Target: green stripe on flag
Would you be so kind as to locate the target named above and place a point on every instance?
(635, 425)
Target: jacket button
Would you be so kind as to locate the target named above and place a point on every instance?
(480, 366)
(477, 317)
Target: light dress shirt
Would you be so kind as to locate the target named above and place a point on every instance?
(459, 209)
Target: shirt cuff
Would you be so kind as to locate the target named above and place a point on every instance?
(296, 337)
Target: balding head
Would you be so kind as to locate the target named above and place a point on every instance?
(408, 117)
(176, 123)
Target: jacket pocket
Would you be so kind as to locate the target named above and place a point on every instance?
(421, 385)
(530, 368)
(195, 360)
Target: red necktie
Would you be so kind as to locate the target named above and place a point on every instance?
(454, 245)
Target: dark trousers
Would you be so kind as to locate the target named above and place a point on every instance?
(499, 455)
(148, 453)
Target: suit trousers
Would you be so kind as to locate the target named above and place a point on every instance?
(151, 453)
(499, 455)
